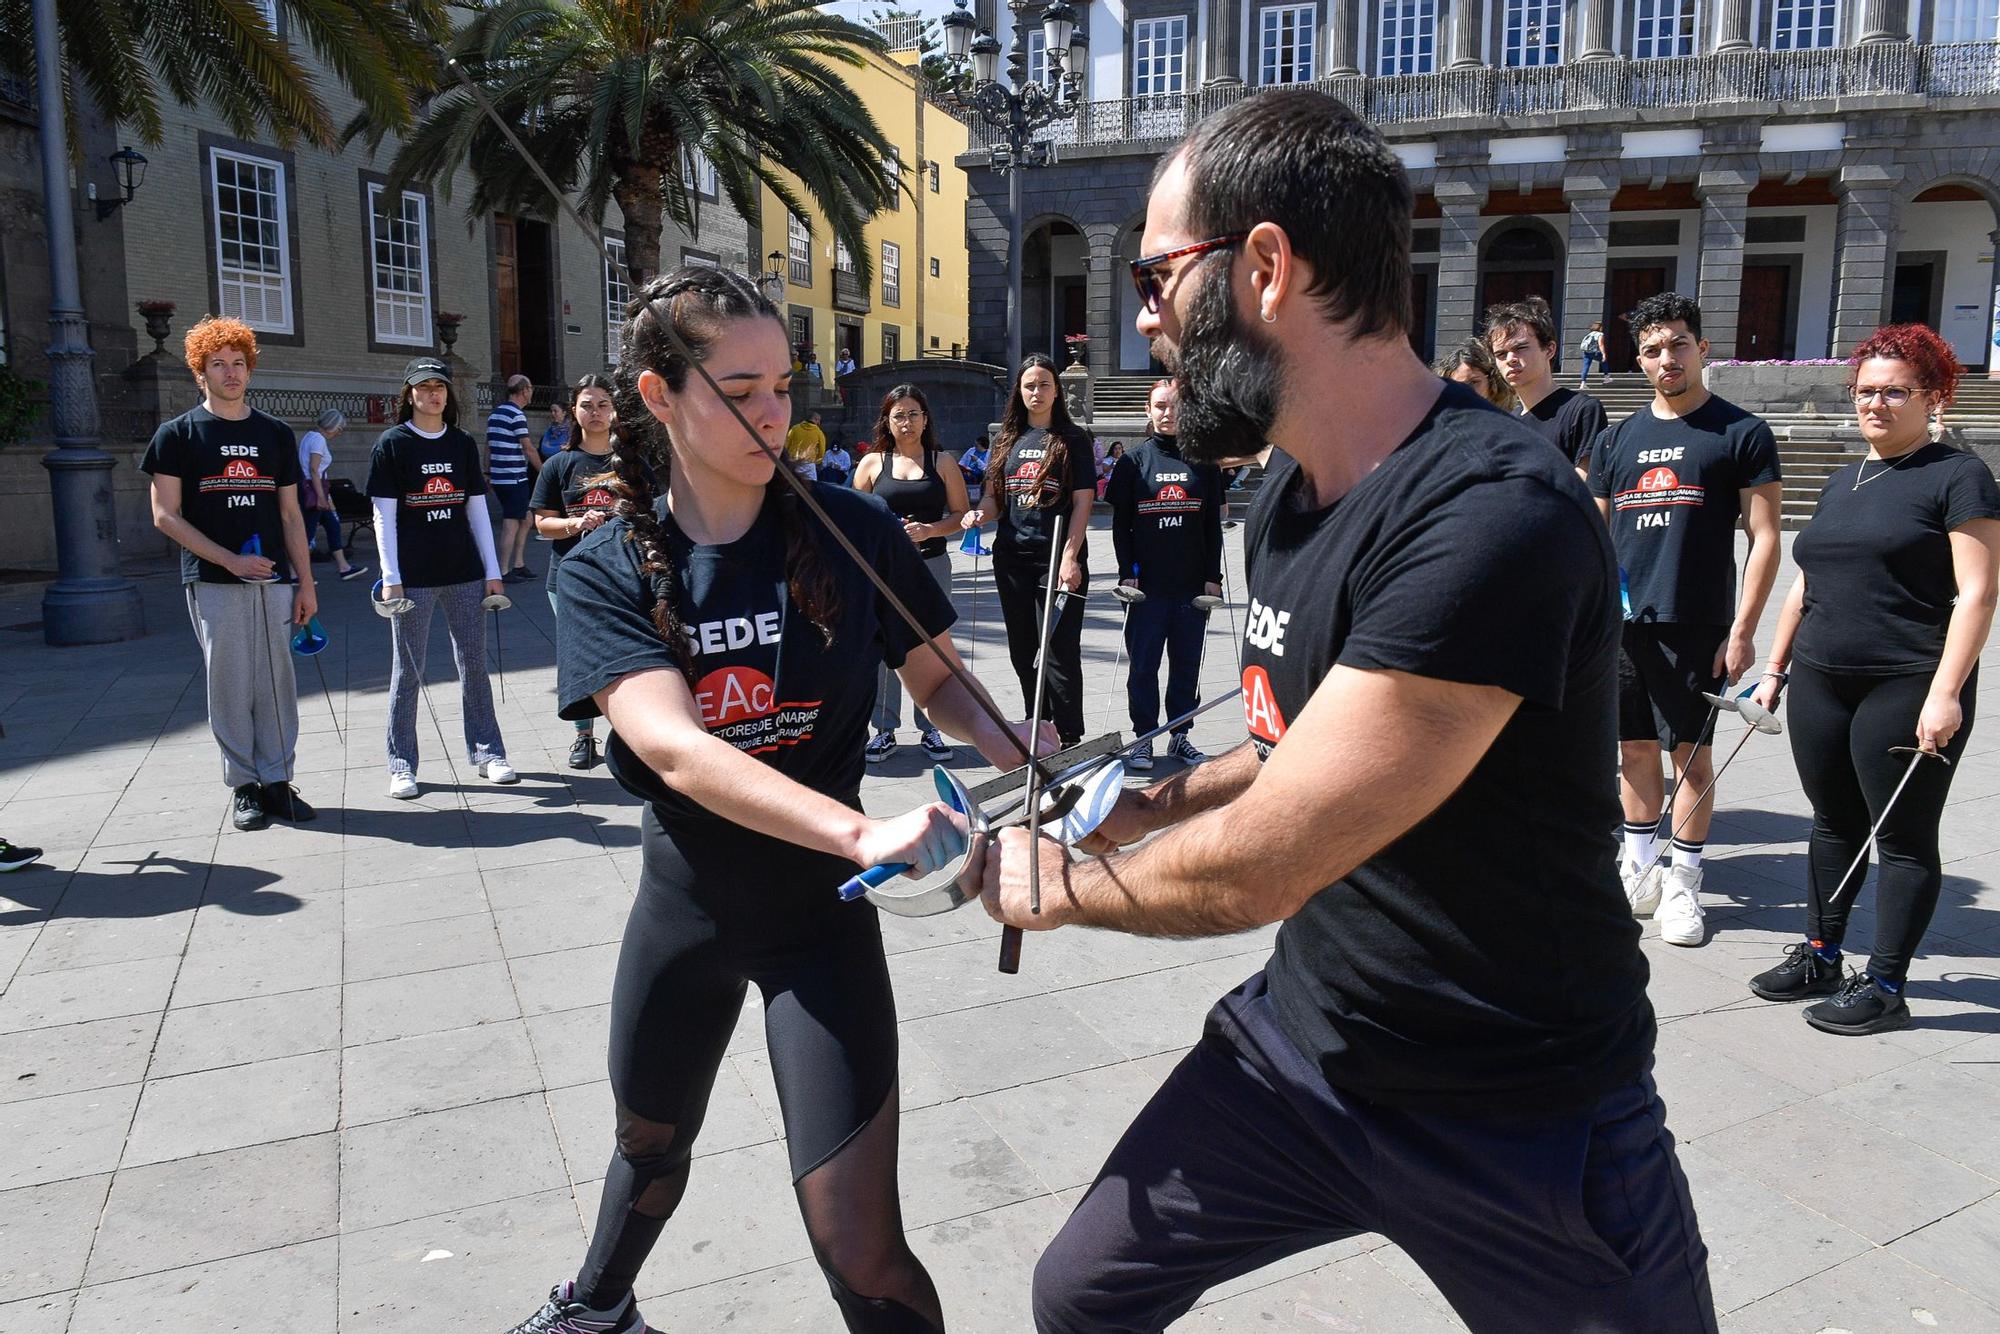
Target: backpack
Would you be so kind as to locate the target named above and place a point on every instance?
(1591, 341)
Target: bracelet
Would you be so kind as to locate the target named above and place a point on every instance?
(1781, 676)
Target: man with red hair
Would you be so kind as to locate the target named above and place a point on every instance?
(226, 489)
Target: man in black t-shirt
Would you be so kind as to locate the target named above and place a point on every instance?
(1673, 479)
(1166, 527)
(1451, 1042)
(1522, 335)
(226, 489)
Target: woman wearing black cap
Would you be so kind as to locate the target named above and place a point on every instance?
(436, 540)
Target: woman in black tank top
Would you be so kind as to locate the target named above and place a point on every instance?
(902, 470)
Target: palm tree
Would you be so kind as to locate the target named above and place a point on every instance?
(612, 97)
(125, 54)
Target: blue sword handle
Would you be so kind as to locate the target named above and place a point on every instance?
(873, 878)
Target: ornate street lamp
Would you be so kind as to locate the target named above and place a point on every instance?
(1017, 111)
(130, 164)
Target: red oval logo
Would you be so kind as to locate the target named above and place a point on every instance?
(1658, 479)
(1260, 706)
(733, 695)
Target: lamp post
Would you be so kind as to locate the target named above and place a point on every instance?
(90, 602)
(1018, 111)
(772, 281)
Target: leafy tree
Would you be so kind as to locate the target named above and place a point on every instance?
(612, 97)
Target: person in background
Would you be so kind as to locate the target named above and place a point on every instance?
(813, 372)
(555, 439)
(845, 365)
(805, 446)
(572, 499)
(1522, 336)
(510, 468)
(1592, 349)
(1879, 641)
(14, 856)
(837, 466)
(972, 464)
(1471, 364)
(315, 489)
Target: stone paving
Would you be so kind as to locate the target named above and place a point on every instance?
(350, 1076)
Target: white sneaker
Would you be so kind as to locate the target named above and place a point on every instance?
(498, 771)
(1140, 761)
(403, 785)
(1680, 915)
(1642, 888)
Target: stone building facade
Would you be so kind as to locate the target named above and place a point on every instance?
(1809, 168)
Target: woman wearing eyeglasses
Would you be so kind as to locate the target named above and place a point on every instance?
(901, 469)
(1879, 643)
(1041, 467)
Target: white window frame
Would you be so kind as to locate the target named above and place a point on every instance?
(390, 300)
(1287, 43)
(698, 174)
(1038, 55)
(1160, 56)
(843, 261)
(1406, 36)
(1664, 29)
(1516, 18)
(617, 292)
(237, 280)
(1827, 25)
(892, 274)
(799, 250)
(892, 164)
(1966, 21)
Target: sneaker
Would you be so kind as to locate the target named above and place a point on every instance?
(524, 572)
(1861, 1007)
(1802, 974)
(880, 747)
(246, 808)
(1182, 749)
(1642, 888)
(935, 745)
(1679, 913)
(402, 785)
(498, 771)
(561, 1314)
(515, 577)
(354, 572)
(283, 800)
(583, 751)
(13, 856)
(1140, 761)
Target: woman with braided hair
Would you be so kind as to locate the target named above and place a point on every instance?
(733, 647)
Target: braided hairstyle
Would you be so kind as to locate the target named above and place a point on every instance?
(700, 302)
(1063, 433)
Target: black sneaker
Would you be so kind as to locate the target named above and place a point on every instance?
(561, 1315)
(1861, 1007)
(354, 572)
(1802, 974)
(246, 809)
(13, 856)
(935, 745)
(880, 747)
(514, 577)
(583, 751)
(283, 800)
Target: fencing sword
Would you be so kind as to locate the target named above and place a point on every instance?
(393, 610)
(497, 603)
(1010, 936)
(970, 545)
(1758, 718)
(1127, 597)
(308, 642)
(1917, 756)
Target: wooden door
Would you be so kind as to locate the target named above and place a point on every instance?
(1504, 287)
(1423, 338)
(507, 288)
(1628, 288)
(1763, 315)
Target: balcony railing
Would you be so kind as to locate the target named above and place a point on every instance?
(849, 292)
(902, 34)
(1960, 69)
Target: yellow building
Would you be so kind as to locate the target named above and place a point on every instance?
(915, 305)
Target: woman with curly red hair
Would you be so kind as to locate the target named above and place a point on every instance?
(1879, 642)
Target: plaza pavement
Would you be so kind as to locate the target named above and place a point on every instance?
(350, 1076)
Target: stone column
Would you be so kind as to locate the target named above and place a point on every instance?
(1593, 22)
(1100, 297)
(1725, 202)
(1466, 17)
(1222, 49)
(1732, 25)
(1458, 259)
(1885, 21)
(1588, 188)
(1864, 250)
(1342, 46)
(1993, 343)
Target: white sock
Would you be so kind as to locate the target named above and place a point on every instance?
(1641, 844)
(1687, 856)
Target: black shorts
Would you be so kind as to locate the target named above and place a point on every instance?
(513, 498)
(1663, 668)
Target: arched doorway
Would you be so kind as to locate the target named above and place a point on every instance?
(1055, 262)
(1520, 259)
(1944, 272)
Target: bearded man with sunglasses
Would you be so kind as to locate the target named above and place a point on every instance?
(1451, 1044)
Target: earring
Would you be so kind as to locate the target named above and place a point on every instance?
(1937, 427)
(1270, 317)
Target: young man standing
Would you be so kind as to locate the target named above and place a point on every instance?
(226, 489)
(1451, 1043)
(510, 470)
(1673, 479)
(1166, 526)
(1522, 335)
(805, 446)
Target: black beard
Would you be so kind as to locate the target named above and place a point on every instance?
(1229, 377)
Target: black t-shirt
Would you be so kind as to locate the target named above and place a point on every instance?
(923, 500)
(564, 485)
(1034, 500)
(230, 473)
(1877, 560)
(765, 679)
(1674, 487)
(1485, 963)
(430, 480)
(1166, 519)
(1570, 421)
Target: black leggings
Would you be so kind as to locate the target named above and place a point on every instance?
(716, 911)
(1019, 582)
(1842, 727)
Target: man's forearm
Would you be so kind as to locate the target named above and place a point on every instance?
(1199, 881)
(1192, 792)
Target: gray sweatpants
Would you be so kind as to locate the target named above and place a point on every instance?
(411, 634)
(888, 686)
(245, 632)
